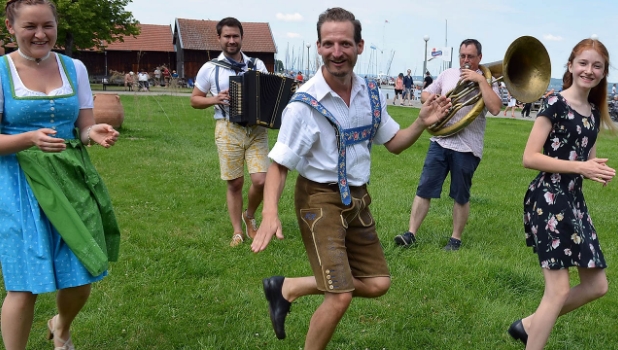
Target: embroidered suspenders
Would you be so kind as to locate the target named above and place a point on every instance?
(347, 137)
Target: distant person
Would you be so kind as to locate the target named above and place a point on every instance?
(427, 81)
(417, 92)
(142, 77)
(157, 76)
(458, 154)
(525, 112)
(549, 93)
(408, 86)
(562, 147)
(613, 89)
(398, 89)
(128, 81)
(174, 79)
(299, 78)
(167, 76)
(237, 144)
(613, 108)
(512, 104)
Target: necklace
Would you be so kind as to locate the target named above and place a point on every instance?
(37, 60)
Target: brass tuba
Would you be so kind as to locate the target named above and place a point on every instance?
(525, 70)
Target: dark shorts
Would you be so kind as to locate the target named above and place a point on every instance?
(398, 92)
(341, 241)
(438, 163)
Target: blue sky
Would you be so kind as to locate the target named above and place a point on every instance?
(559, 25)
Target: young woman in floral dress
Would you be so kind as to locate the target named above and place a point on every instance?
(562, 146)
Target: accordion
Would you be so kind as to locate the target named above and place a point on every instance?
(258, 98)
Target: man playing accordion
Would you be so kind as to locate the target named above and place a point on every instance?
(235, 143)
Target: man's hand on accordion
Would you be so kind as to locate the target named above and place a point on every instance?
(223, 98)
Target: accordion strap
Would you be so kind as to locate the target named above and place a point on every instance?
(347, 137)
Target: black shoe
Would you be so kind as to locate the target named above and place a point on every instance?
(453, 244)
(277, 305)
(517, 331)
(405, 239)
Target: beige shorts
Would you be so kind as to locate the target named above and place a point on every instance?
(238, 144)
(341, 241)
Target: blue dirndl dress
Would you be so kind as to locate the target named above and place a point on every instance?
(34, 256)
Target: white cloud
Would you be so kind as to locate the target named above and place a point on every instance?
(289, 17)
(293, 35)
(552, 37)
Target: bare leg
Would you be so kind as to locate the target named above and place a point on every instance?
(420, 208)
(554, 298)
(460, 217)
(17, 316)
(294, 288)
(234, 202)
(326, 318)
(593, 285)
(256, 193)
(70, 301)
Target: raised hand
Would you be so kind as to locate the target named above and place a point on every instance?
(46, 141)
(103, 134)
(434, 109)
(470, 75)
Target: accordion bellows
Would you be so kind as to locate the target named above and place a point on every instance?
(258, 98)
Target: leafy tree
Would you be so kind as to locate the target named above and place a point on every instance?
(90, 23)
(279, 66)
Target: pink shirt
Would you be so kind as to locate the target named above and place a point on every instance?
(470, 139)
(399, 84)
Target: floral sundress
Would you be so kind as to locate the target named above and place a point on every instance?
(556, 219)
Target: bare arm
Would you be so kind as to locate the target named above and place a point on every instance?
(431, 112)
(199, 100)
(271, 225)
(594, 168)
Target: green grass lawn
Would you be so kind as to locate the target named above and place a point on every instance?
(178, 284)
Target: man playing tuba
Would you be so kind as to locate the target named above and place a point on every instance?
(459, 153)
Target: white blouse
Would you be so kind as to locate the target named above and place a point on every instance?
(84, 93)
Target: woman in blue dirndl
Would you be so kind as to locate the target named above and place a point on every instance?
(57, 226)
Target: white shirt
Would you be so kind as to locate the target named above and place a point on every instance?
(307, 141)
(205, 80)
(470, 138)
(142, 76)
(84, 94)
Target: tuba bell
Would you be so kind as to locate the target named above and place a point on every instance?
(525, 70)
